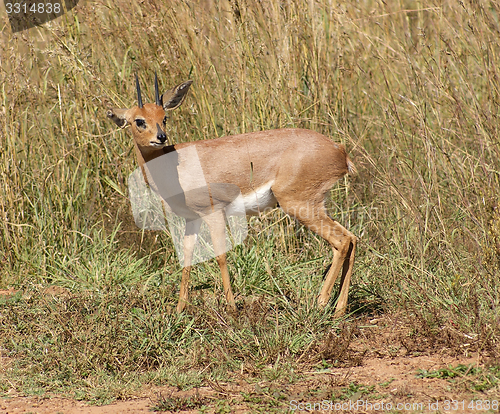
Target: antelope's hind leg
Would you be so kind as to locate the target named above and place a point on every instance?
(343, 242)
(343, 257)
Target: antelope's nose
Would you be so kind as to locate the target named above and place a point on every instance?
(160, 135)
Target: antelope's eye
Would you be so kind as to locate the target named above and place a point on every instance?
(141, 123)
(165, 121)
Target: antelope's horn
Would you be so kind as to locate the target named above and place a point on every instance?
(157, 92)
(139, 98)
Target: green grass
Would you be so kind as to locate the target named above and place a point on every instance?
(411, 88)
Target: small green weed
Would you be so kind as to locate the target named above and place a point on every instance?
(354, 391)
(386, 383)
(474, 377)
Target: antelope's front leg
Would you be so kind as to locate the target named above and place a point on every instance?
(190, 236)
(217, 225)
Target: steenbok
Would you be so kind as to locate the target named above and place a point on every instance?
(292, 168)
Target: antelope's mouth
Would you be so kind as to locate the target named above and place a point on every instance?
(157, 144)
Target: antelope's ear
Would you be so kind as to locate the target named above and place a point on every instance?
(174, 97)
(119, 116)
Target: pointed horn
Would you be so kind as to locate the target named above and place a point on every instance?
(157, 92)
(139, 98)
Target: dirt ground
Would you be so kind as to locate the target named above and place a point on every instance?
(393, 380)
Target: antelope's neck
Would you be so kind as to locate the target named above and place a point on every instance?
(144, 156)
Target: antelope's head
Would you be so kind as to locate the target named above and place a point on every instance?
(149, 121)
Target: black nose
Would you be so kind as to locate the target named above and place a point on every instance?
(160, 135)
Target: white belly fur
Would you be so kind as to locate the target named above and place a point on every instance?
(255, 202)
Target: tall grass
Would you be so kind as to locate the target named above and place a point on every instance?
(411, 88)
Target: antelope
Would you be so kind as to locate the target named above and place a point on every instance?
(292, 168)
